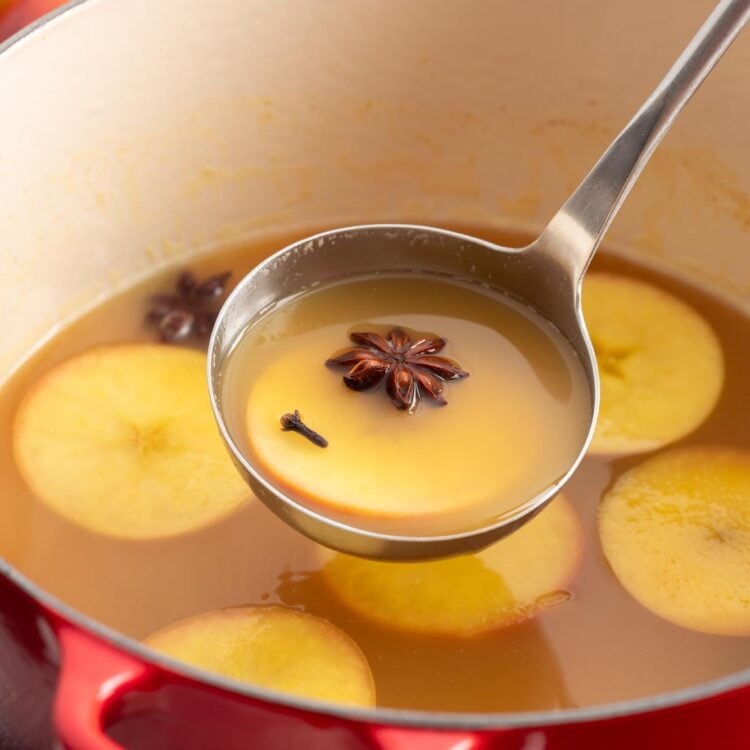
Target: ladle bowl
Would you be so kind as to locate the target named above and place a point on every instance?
(526, 274)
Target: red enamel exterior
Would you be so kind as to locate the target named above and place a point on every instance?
(59, 679)
(22, 12)
(144, 705)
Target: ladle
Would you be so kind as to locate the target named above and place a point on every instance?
(546, 275)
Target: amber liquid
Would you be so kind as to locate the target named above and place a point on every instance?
(509, 430)
(597, 647)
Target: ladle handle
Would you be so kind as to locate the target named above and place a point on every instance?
(578, 227)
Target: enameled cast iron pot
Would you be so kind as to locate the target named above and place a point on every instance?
(133, 132)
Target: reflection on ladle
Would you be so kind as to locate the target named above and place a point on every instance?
(546, 275)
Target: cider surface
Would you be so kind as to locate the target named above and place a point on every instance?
(509, 429)
(597, 646)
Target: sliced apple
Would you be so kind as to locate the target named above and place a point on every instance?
(506, 583)
(660, 364)
(121, 440)
(676, 531)
(276, 648)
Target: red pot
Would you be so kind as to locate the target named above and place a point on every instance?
(134, 132)
(15, 14)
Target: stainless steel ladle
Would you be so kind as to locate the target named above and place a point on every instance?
(546, 275)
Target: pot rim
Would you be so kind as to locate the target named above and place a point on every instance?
(391, 716)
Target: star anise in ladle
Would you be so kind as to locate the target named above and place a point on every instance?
(191, 311)
(411, 370)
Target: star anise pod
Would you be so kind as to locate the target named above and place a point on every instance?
(191, 311)
(411, 370)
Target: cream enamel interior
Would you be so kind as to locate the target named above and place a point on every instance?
(134, 133)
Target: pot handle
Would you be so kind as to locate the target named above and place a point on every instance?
(93, 675)
(401, 738)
